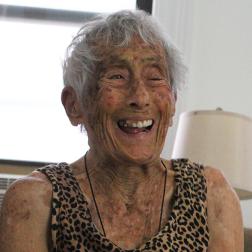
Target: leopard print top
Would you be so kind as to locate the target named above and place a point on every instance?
(72, 228)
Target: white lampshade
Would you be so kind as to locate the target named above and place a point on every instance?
(219, 139)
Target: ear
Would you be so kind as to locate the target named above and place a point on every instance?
(72, 106)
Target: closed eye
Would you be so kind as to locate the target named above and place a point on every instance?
(116, 77)
(156, 78)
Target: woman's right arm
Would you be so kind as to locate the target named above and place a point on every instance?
(25, 215)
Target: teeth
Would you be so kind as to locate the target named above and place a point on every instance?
(139, 124)
(135, 124)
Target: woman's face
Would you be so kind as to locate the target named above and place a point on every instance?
(131, 113)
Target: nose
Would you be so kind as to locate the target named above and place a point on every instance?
(139, 96)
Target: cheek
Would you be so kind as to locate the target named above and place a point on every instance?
(108, 102)
(164, 99)
(110, 99)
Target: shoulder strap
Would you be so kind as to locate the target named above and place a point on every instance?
(190, 202)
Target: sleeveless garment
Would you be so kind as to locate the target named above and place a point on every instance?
(72, 228)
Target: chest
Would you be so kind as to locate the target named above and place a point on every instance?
(130, 226)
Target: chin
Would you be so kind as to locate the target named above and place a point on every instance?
(134, 148)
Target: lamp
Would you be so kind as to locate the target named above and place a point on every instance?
(220, 139)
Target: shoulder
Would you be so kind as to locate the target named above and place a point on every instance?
(224, 213)
(214, 176)
(29, 188)
(26, 204)
(27, 195)
(219, 190)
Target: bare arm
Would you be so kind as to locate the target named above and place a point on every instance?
(25, 215)
(224, 214)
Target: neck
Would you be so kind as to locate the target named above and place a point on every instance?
(125, 180)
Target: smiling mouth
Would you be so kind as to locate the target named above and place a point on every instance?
(134, 127)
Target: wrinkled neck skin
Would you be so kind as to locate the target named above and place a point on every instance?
(122, 179)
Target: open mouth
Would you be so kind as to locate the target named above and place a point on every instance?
(133, 127)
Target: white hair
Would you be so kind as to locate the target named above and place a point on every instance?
(114, 30)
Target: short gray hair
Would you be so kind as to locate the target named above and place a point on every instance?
(114, 30)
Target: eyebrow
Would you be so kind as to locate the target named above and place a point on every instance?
(151, 59)
(116, 61)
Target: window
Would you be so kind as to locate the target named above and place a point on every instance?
(33, 41)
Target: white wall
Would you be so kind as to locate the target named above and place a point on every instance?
(221, 62)
(216, 39)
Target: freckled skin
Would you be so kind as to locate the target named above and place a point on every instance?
(25, 215)
(133, 83)
(130, 223)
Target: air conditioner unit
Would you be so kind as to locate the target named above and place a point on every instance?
(5, 181)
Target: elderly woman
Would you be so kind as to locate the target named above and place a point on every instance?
(120, 80)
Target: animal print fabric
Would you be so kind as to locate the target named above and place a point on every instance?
(72, 228)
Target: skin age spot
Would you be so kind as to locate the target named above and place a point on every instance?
(17, 214)
(26, 215)
(110, 100)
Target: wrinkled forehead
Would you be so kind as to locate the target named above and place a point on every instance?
(135, 49)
